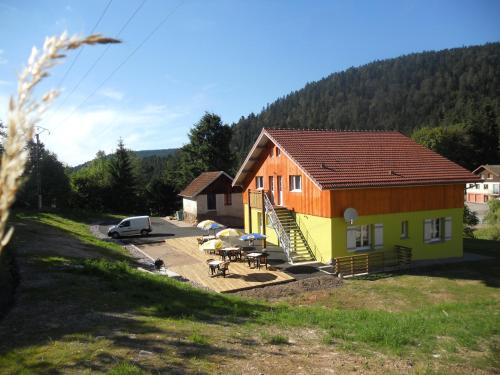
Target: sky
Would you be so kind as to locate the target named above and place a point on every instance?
(182, 58)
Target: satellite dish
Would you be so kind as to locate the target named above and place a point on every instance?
(350, 214)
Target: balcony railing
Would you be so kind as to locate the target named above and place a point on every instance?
(256, 198)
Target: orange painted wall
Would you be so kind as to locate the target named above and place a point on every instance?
(311, 200)
(377, 201)
(332, 203)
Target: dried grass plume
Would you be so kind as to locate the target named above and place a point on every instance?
(25, 111)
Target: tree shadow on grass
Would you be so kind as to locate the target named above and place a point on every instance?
(484, 270)
(86, 300)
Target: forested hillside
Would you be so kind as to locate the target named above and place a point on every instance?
(404, 93)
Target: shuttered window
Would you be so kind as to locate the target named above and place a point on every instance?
(359, 237)
(437, 229)
(447, 228)
(379, 236)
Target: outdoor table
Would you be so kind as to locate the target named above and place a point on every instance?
(214, 265)
(203, 239)
(255, 259)
(230, 252)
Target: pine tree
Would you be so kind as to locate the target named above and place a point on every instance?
(208, 149)
(123, 182)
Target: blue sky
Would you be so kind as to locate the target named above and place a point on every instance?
(227, 57)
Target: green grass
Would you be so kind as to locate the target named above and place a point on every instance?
(125, 368)
(491, 232)
(452, 310)
(76, 226)
(198, 339)
(276, 339)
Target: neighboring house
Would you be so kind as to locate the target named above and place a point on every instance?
(299, 185)
(488, 188)
(212, 196)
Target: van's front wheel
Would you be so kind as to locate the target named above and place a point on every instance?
(115, 235)
(144, 232)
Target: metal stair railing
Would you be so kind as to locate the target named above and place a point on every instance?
(276, 224)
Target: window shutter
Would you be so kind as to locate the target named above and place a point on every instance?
(379, 235)
(427, 230)
(351, 238)
(447, 228)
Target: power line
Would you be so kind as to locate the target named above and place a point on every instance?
(129, 56)
(81, 49)
(100, 56)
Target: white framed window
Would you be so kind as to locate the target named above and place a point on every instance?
(404, 229)
(437, 229)
(259, 182)
(358, 237)
(490, 176)
(295, 183)
(485, 186)
(496, 188)
(278, 151)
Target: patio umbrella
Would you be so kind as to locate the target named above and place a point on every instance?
(205, 223)
(212, 245)
(229, 232)
(252, 237)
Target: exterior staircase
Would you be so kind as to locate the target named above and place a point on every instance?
(291, 238)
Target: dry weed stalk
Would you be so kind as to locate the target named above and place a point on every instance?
(25, 111)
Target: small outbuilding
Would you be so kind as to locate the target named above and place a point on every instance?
(212, 196)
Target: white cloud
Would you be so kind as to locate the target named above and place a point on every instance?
(3, 60)
(112, 94)
(77, 139)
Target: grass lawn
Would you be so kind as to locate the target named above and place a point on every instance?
(82, 307)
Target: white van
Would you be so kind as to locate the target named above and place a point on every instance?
(131, 226)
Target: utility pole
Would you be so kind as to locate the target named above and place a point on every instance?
(40, 130)
(38, 174)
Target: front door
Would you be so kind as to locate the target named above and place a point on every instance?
(280, 191)
(271, 188)
(211, 201)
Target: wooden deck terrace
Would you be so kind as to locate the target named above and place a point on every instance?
(182, 255)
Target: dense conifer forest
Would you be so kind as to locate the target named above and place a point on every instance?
(405, 93)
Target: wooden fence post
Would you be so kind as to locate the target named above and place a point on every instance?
(263, 217)
(249, 212)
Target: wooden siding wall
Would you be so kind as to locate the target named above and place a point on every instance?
(377, 201)
(332, 203)
(311, 200)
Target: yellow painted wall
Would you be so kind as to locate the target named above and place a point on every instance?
(327, 237)
(318, 233)
(392, 233)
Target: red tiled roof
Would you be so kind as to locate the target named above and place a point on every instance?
(201, 182)
(346, 159)
(495, 169)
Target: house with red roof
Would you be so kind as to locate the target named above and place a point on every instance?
(323, 194)
(489, 188)
(212, 196)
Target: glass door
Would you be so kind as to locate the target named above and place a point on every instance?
(271, 188)
(280, 191)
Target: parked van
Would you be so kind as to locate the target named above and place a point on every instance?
(131, 226)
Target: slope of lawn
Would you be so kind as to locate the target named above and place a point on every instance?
(92, 311)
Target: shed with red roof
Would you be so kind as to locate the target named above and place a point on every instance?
(212, 196)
